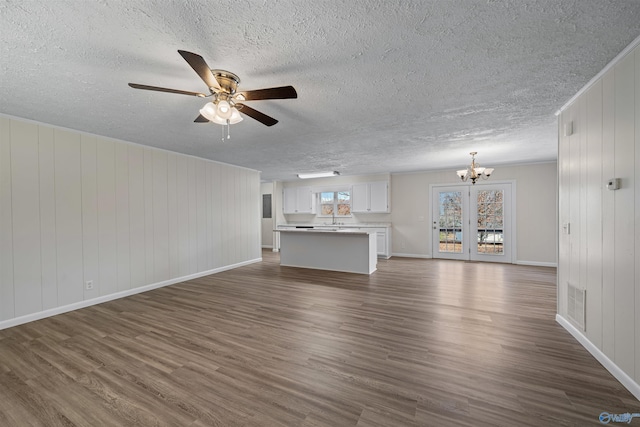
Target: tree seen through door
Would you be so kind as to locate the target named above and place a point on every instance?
(450, 221)
(490, 205)
(490, 222)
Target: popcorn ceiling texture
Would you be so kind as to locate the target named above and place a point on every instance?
(383, 86)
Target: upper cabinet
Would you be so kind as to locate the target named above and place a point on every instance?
(298, 200)
(370, 197)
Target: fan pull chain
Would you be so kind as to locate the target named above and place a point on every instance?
(222, 134)
(228, 129)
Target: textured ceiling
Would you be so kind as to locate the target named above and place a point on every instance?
(383, 86)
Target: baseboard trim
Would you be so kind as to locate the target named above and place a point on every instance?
(267, 246)
(99, 300)
(531, 263)
(609, 365)
(403, 255)
(537, 263)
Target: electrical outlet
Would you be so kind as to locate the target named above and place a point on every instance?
(88, 285)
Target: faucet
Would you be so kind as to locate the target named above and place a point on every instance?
(333, 217)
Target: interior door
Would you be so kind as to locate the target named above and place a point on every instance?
(472, 222)
(490, 223)
(450, 222)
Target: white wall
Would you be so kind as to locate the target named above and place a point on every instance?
(77, 207)
(535, 210)
(602, 252)
(536, 216)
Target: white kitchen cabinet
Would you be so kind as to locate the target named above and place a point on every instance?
(383, 241)
(298, 200)
(370, 197)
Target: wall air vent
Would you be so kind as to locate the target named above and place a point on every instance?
(576, 304)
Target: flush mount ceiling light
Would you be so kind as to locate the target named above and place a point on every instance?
(318, 174)
(474, 171)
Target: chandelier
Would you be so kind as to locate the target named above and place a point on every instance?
(474, 171)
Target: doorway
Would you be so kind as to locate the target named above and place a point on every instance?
(473, 222)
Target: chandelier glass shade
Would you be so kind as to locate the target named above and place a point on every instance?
(222, 113)
(474, 172)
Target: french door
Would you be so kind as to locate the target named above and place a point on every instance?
(473, 222)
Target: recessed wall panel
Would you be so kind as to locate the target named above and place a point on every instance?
(593, 213)
(122, 217)
(624, 219)
(90, 242)
(209, 214)
(136, 216)
(172, 214)
(107, 216)
(160, 217)
(217, 215)
(637, 212)
(7, 295)
(25, 192)
(147, 196)
(608, 216)
(182, 197)
(201, 214)
(47, 218)
(68, 186)
(193, 215)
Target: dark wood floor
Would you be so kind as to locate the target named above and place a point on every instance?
(418, 343)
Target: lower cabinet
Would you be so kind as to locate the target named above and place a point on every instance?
(383, 241)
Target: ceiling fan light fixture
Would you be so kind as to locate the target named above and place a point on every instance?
(223, 87)
(318, 174)
(235, 116)
(224, 109)
(209, 111)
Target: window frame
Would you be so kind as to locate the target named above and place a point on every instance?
(336, 203)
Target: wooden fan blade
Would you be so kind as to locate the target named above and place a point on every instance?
(283, 92)
(164, 89)
(257, 115)
(200, 66)
(201, 119)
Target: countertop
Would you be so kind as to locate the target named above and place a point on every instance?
(335, 230)
(340, 226)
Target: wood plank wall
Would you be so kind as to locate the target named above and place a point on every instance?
(77, 207)
(602, 251)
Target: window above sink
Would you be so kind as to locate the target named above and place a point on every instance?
(334, 204)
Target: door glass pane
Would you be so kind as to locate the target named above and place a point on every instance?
(490, 222)
(450, 221)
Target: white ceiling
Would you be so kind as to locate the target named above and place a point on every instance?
(383, 86)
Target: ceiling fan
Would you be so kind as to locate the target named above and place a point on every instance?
(226, 103)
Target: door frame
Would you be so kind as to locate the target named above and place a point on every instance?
(467, 186)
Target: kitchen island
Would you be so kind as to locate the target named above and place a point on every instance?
(347, 250)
